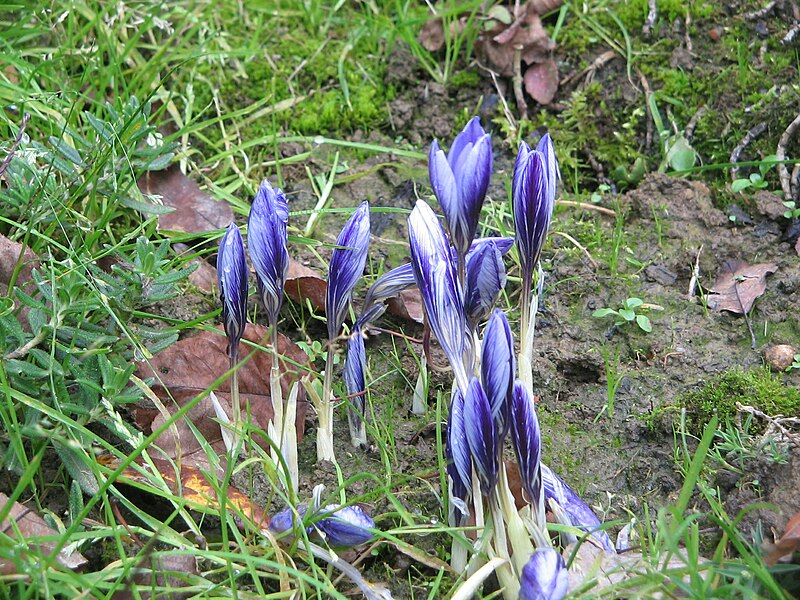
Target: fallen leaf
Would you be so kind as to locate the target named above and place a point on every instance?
(786, 546)
(204, 277)
(158, 571)
(32, 526)
(431, 36)
(526, 32)
(543, 7)
(541, 81)
(303, 283)
(797, 246)
(9, 255)
(190, 366)
(192, 485)
(738, 285)
(407, 305)
(195, 211)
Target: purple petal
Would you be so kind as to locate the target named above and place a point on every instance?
(459, 464)
(498, 366)
(346, 267)
(544, 577)
(486, 277)
(347, 526)
(354, 367)
(286, 519)
(481, 435)
(526, 440)
(580, 514)
(465, 140)
(388, 285)
(533, 207)
(266, 241)
(503, 244)
(545, 146)
(442, 179)
(435, 275)
(232, 279)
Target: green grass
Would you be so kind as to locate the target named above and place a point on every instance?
(233, 93)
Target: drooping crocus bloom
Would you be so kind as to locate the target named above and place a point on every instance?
(232, 280)
(388, 285)
(436, 278)
(527, 441)
(347, 526)
(533, 196)
(544, 576)
(346, 267)
(354, 367)
(498, 366)
(481, 436)
(580, 515)
(460, 180)
(486, 277)
(266, 240)
(459, 461)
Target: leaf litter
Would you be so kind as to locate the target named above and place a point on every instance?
(738, 286)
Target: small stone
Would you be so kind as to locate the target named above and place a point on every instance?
(780, 357)
(715, 33)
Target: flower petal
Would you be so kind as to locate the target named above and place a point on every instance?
(354, 367)
(347, 526)
(481, 436)
(527, 441)
(388, 285)
(544, 576)
(232, 280)
(498, 366)
(459, 464)
(486, 277)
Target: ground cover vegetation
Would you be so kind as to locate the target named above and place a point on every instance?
(220, 379)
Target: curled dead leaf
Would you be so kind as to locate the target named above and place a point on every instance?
(525, 35)
(738, 285)
(541, 81)
(304, 283)
(407, 305)
(786, 545)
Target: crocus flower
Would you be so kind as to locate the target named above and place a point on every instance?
(503, 244)
(527, 441)
(580, 515)
(388, 285)
(460, 180)
(354, 367)
(266, 240)
(232, 279)
(486, 277)
(436, 278)
(544, 576)
(533, 197)
(498, 366)
(347, 526)
(286, 519)
(346, 267)
(459, 461)
(481, 435)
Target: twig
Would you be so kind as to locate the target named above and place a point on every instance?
(590, 71)
(761, 13)
(7, 161)
(695, 275)
(783, 172)
(687, 38)
(648, 140)
(791, 35)
(598, 168)
(690, 126)
(774, 423)
(600, 209)
(744, 313)
(746, 141)
(652, 15)
(516, 82)
(795, 180)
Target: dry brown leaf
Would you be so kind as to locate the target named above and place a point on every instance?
(204, 277)
(797, 246)
(526, 32)
(158, 571)
(407, 305)
(541, 81)
(195, 211)
(787, 545)
(9, 255)
(303, 283)
(542, 7)
(190, 366)
(431, 36)
(738, 285)
(32, 526)
(194, 487)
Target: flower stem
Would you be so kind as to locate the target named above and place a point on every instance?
(275, 390)
(325, 412)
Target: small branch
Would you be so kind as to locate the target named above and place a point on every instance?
(516, 81)
(695, 276)
(783, 172)
(791, 35)
(744, 313)
(690, 126)
(760, 14)
(584, 205)
(578, 246)
(648, 140)
(746, 141)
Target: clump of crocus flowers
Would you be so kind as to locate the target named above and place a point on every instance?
(460, 278)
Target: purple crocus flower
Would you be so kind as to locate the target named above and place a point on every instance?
(486, 277)
(232, 279)
(285, 520)
(533, 197)
(498, 366)
(388, 285)
(460, 180)
(503, 244)
(481, 435)
(580, 515)
(346, 267)
(266, 240)
(527, 441)
(354, 367)
(544, 576)
(436, 278)
(346, 526)
(459, 461)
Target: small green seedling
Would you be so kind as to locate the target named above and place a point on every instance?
(795, 364)
(793, 211)
(758, 180)
(628, 314)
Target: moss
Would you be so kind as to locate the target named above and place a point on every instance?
(465, 78)
(758, 388)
